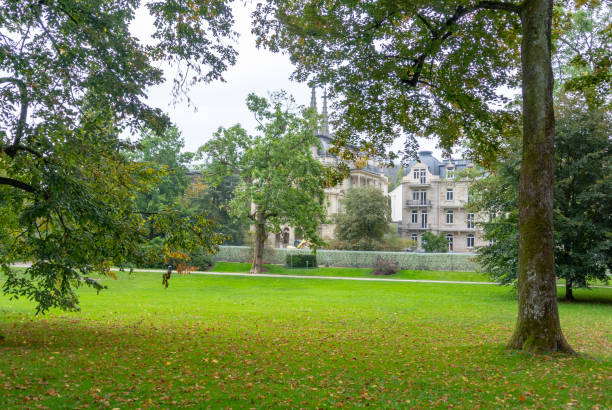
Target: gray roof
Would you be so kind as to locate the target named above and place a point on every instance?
(437, 167)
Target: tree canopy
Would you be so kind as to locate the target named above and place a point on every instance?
(365, 218)
(280, 181)
(74, 78)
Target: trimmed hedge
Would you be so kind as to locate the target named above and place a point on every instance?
(300, 260)
(359, 259)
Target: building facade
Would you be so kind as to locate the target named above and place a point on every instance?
(432, 198)
(366, 176)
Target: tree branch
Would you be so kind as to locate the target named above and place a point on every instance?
(446, 28)
(18, 184)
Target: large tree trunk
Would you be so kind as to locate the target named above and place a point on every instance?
(260, 239)
(538, 328)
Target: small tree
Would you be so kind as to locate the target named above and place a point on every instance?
(280, 182)
(434, 243)
(366, 218)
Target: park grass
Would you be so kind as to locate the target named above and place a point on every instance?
(245, 342)
(237, 267)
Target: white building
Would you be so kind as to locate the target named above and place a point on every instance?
(431, 198)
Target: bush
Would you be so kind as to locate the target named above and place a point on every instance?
(385, 266)
(200, 260)
(434, 243)
(301, 261)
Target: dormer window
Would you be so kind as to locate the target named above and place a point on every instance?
(450, 172)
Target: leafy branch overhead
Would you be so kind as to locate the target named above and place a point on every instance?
(74, 78)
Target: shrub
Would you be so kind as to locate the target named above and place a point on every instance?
(434, 243)
(301, 261)
(385, 266)
(200, 260)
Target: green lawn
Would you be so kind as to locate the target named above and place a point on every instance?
(246, 342)
(236, 267)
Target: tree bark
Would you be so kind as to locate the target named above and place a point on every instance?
(260, 239)
(538, 328)
(569, 290)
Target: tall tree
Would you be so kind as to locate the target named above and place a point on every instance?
(435, 68)
(582, 213)
(280, 180)
(365, 219)
(73, 79)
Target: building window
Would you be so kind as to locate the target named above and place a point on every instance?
(449, 217)
(470, 221)
(423, 177)
(450, 173)
(339, 206)
(423, 219)
(419, 196)
(414, 217)
(470, 241)
(449, 239)
(415, 237)
(449, 194)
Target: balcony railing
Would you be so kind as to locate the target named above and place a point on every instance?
(417, 202)
(420, 225)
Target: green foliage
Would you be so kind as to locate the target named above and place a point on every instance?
(421, 68)
(214, 200)
(365, 219)
(434, 243)
(74, 78)
(280, 182)
(582, 207)
(162, 152)
(301, 260)
(582, 63)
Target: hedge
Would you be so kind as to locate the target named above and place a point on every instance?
(358, 259)
(300, 260)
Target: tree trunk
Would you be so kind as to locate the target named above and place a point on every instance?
(569, 293)
(538, 328)
(260, 239)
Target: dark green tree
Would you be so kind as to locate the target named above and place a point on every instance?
(214, 201)
(583, 209)
(365, 219)
(434, 243)
(163, 152)
(280, 182)
(73, 79)
(435, 68)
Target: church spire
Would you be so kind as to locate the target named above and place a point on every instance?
(324, 124)
(313, 99)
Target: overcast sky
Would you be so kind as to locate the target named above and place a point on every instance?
(223, 104)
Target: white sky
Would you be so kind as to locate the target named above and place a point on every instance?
(223, 104)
